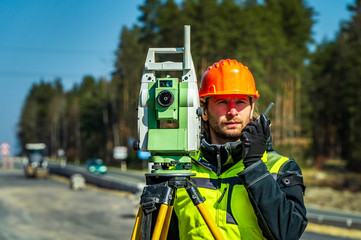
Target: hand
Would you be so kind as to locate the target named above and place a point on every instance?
(254, 137)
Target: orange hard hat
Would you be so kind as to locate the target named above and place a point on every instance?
(228, 77)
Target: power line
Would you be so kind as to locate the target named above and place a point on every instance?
(42, 74)
(53, 51)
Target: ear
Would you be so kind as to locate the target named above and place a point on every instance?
(205, 115)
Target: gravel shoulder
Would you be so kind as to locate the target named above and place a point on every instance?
(334, 190)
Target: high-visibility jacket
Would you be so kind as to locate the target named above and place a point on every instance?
(264, 201)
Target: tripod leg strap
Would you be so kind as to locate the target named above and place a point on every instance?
(155, 194)
(146, 226)
(154, 197)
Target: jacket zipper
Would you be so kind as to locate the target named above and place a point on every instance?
(218, 197)
(218, 163)
(219, 179)
(224, 192)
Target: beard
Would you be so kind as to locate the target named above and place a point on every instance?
(221, 131)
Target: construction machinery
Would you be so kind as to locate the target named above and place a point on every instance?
(35, 164)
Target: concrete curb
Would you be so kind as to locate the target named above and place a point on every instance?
(97, 180)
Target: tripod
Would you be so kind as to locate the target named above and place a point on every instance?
(160, 189)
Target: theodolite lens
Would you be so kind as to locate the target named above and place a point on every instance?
(165, 98)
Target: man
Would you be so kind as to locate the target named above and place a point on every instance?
(251, 193)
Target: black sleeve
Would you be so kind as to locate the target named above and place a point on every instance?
(173, 231)
(278, 203)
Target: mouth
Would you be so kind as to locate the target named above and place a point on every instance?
(232, 124)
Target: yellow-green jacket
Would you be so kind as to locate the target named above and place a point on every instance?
(263, 201)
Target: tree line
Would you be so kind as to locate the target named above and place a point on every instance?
(335, 93)
(315, 94)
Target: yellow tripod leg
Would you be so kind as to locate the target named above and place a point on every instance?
(198, 201)
(137, 225)
(209, 221)
(166, 223)
(160, 221)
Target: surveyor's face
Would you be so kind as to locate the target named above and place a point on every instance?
(227, 116)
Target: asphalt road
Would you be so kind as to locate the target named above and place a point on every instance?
(37, 209)
(42, 209)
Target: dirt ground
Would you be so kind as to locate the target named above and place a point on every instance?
(333, 187)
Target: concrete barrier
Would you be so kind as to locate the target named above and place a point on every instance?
(103, 181)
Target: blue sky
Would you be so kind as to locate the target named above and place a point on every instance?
(45, 39)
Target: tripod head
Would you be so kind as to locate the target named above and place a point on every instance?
(169, 110)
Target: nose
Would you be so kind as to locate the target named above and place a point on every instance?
(232, 109)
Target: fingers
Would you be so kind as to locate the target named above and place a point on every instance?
(264, 120)
(265, 124)
(261, 126)
(244, 137)
(251, 127)
(246, 143)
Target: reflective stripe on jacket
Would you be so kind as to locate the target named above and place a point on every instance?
(227, 200)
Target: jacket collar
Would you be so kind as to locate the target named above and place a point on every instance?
(228, 154)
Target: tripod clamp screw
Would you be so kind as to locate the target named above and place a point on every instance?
(187, 166)
(159, 193)
(194, 194)
(175, 162)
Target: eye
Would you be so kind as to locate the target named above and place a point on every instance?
(240, 102)
(224, 101)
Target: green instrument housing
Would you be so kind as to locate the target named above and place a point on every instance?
(171, 143)
(169, 112)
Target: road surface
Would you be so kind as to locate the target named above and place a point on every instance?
(42, 209)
